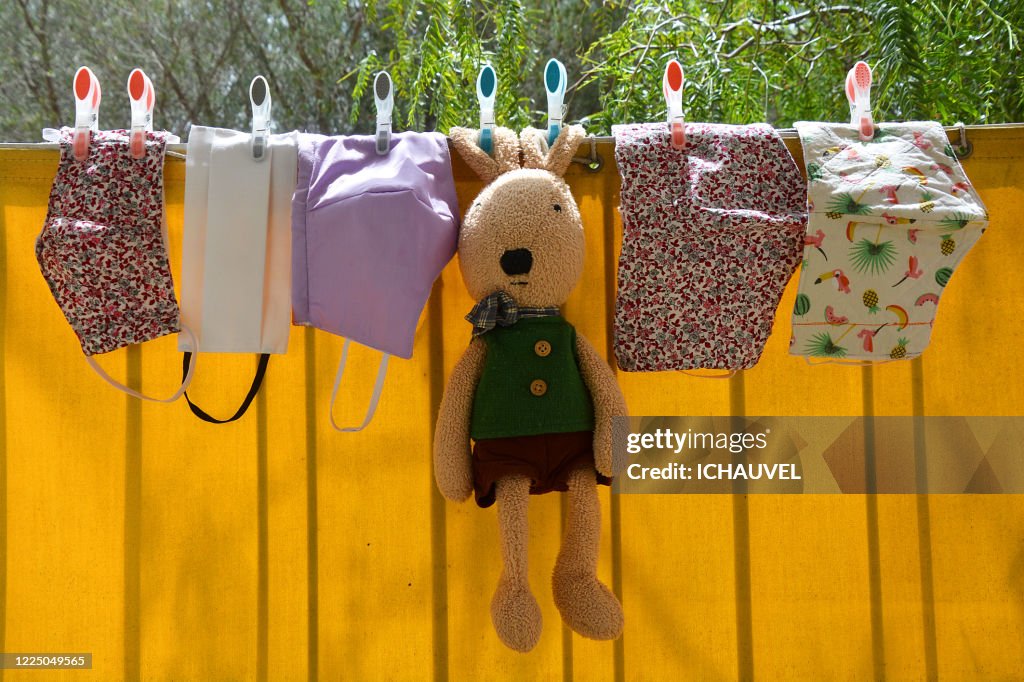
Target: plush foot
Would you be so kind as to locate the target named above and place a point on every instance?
(515, 615)
(587, 605)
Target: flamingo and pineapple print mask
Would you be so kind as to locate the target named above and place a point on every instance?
(889, 221)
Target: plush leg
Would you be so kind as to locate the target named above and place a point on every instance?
(587, 605)
(514, 611)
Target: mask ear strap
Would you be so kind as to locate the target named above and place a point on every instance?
(729, 374)
(257, 381)
(186, 380)
(814, 362)
(378, 388)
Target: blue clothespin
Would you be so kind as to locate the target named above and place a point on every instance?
(555, 82)
(486, 86)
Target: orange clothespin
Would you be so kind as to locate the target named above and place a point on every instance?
(87, 111)
(672, 85)
(143, 97)
(858, 92)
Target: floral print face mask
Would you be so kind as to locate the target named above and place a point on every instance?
(890, 220)
(102, 249)
(711, 236)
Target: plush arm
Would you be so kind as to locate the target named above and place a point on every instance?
(453, 470)
(608, 400)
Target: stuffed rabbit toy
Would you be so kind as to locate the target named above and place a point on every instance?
(533, 395)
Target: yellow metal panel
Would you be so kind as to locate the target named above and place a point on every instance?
(287, 563)
(65, 476)
(680, 607)
(198, 510)
(979, 579)
(374, 532)
(976, 541)
(274, 548)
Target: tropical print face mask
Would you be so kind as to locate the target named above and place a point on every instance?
(890, 220)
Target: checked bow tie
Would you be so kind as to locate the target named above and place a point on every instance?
(500, 309)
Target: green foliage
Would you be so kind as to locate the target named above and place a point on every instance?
(438, 49)
(900, 56)
(782, 62)
(744, 60)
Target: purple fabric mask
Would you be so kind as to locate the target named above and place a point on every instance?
(370, 234)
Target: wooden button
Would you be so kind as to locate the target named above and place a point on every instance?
(542, 348)
(538, 387)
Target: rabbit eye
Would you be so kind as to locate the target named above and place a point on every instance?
(558, 207)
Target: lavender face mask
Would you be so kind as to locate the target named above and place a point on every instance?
(370, 234)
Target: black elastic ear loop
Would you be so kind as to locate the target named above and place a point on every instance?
(257, 381)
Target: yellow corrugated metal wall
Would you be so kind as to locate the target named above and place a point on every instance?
(276, 549)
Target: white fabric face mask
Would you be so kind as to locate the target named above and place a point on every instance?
(236, 250)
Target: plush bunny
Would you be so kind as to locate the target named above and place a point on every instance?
(533, 395)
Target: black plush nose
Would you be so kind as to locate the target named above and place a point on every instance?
(517, 261)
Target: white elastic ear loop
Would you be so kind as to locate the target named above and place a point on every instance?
(817, 362)
(378, 387)
(729, 374)
(135, 394)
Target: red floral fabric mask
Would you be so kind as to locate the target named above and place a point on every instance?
(102, 249)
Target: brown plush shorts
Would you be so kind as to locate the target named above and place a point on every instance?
(547, 460)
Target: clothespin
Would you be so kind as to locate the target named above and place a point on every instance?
(486, 86)
(851, 96)
(672, 86)
(87, 111)
(384, 98)
(142, 97)
(858, 91)
(259, 98)
(554, 82)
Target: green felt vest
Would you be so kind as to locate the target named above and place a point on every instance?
(504, 404)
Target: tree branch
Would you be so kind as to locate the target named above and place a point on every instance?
(39, 32)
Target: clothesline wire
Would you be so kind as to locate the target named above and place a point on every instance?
(179, 150)
(181, 147)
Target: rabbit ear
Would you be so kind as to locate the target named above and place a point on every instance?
(555, 159)
(506, 151)
(534, 143)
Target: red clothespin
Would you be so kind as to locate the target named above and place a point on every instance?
(858, 92)
(851, 96)
(143, 97)
(87, 111)
(672, 85)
